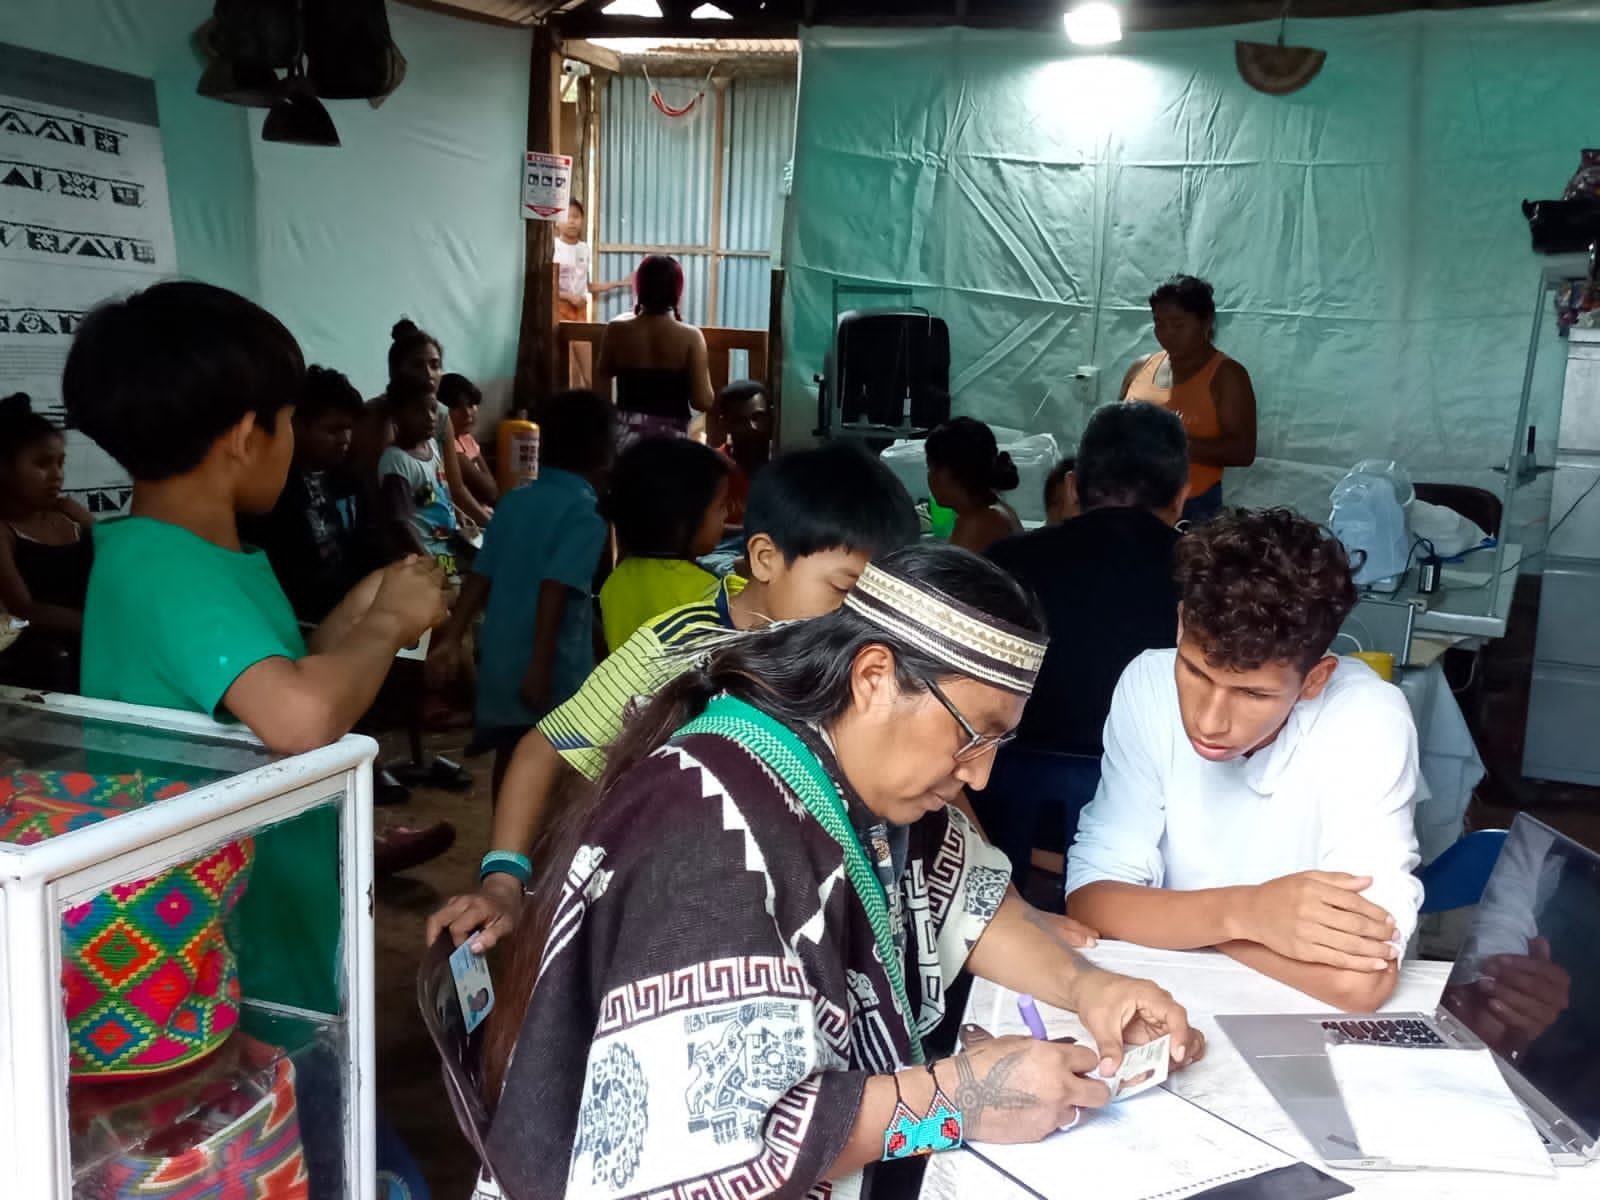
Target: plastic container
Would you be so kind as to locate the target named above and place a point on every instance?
(516, 452)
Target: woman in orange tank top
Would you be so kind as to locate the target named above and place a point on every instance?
(1206, 388)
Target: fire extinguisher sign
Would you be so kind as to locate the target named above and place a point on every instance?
(546, 186)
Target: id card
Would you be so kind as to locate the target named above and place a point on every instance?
(473, 987)
(1143, 1067)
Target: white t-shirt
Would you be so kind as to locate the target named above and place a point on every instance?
(1334, 791)
(573, 259)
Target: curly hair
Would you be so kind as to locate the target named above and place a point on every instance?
(1263, 586)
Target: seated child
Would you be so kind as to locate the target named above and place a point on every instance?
(967, 471)
(536, 574)
(815, 518)
(739, 427)
(1256, 792)
(413, 490)
(46, 549)
(319, 536)
(668, 502)
(471, 482)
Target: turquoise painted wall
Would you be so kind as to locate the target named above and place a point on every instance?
(1372, 266)
(416, 213)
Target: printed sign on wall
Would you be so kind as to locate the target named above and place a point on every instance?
(83, 216)
(546, 186)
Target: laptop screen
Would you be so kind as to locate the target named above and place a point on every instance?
(1527, 981)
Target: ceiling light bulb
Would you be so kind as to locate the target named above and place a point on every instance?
(1093, 24)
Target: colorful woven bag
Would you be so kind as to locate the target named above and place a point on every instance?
(216, 1140)
(36, 806)
(149, 980)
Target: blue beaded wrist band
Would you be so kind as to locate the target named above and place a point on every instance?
(506, 862)
(909, 1136)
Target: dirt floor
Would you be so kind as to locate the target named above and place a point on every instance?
(410, 1092)
(1495, 698)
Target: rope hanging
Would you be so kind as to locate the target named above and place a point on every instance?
(657, 99)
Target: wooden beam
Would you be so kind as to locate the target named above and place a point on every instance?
(718, 149)
(596, 56)
(646, 248)
(465, 13)
(774, 371)
(584, 24)
(536, 341)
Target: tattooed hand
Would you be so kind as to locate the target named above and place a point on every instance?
(1016, 1089)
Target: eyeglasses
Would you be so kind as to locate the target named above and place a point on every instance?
(978, 744)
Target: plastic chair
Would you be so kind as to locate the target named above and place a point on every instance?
(1457, 877)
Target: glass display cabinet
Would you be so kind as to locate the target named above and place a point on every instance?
(186, 963)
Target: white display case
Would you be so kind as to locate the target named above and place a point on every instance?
(62, 1132)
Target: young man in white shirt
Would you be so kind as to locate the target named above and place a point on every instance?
(1257, 792)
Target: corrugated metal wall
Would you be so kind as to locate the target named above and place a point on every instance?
(657, 191)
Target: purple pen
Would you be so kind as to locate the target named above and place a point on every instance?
(1029, 1012)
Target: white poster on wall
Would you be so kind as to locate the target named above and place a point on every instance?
(83, 216)
(546, 186)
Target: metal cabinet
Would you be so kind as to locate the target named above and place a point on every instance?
(1564, 700)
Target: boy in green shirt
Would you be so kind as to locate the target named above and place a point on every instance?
(814, 519)
(192, 390)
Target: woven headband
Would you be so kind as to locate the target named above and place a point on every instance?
(967, 641)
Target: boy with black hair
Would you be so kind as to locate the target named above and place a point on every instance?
(814, 520)
(1257, 791)
(193, 390)
(319, 536)
(536, 574)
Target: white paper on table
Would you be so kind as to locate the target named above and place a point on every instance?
(1436, 1107)
(1154, 1145)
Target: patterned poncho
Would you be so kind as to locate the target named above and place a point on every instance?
(725, 970)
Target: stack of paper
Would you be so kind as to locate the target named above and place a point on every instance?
(1154, 1145)
(1436, 1107)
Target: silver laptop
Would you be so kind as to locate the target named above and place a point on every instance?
(1378, 625)
(1542, 901)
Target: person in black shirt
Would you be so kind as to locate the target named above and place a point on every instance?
(318, 536)
(1105, 581)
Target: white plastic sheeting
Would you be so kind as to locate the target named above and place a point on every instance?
(1370, 260)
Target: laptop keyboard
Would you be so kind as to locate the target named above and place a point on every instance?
(1384, 1031)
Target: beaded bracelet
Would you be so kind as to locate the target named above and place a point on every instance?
(908, 1137)
(506, 862)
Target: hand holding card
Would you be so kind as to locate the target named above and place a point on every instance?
(1143, 1067)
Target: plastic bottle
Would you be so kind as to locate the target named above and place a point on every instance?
(516, 451)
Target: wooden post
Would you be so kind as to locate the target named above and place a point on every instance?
(536, 339)
(774, 372)
(718, 170)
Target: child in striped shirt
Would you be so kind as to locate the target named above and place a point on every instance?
(814, 520)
